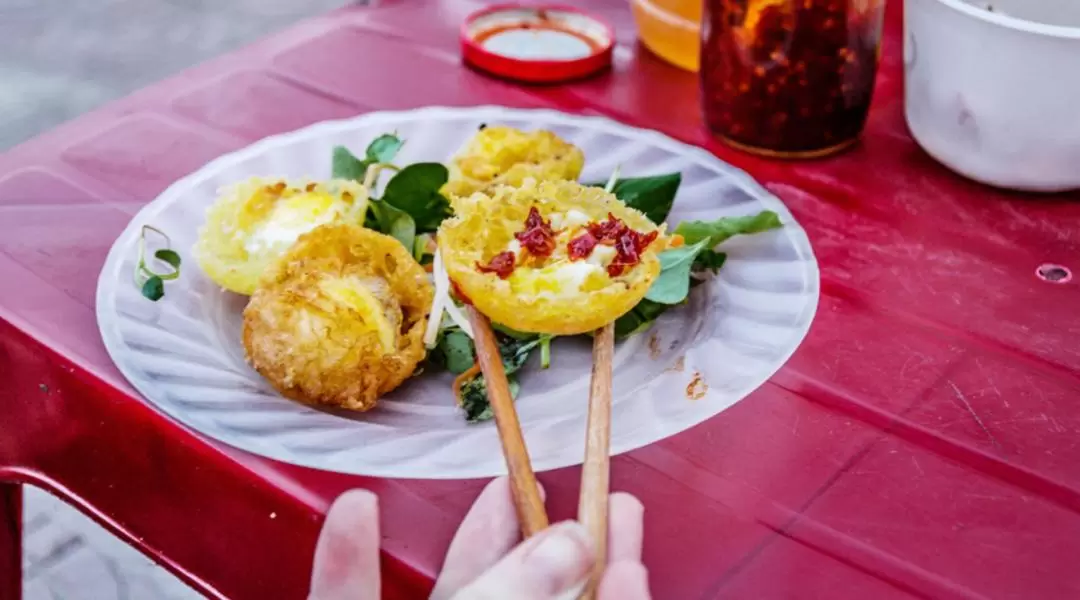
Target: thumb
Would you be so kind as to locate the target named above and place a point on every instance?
(547, 566)
(346, 565)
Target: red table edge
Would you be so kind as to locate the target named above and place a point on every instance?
(398, 581)
(10, 539)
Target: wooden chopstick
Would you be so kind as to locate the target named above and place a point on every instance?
(526, 492)
(595, 473)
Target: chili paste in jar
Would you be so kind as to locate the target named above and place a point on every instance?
(789, 77)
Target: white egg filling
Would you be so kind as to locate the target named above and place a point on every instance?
(288, 221)
(601, 255)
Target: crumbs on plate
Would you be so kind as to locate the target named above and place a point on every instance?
(697, 388)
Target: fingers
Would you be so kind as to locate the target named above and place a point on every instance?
(486, 534)
(547, 565)
(626, 518)
(624, 580)
(346, 562)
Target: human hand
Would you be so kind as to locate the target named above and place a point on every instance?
(485, 559)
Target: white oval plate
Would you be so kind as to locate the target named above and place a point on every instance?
(184, 354)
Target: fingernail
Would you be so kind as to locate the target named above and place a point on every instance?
(561, 558)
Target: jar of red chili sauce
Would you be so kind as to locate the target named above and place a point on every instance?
(789, 78)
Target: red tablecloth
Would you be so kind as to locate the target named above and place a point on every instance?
(923, 442)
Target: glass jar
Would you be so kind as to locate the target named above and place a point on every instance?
(671, 29)
(789, 78)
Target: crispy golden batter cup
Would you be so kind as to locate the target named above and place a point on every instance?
(339, 319)
(499, 155)
(544, 297)
(254, 222)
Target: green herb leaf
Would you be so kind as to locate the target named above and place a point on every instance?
(394, 222)
(640, 318)
(699, 254)
(415, 190)
(709, 260)
(347, 166)
(516, 352)
(545, 351)
(423, 248)
(171, 258)
(673, 283)
(384, 148)
(474, 400)
(653, 195)
(153, 288)
(168, 256)
(721, 229)
(151, 284)
(371, 220)
(457, 350)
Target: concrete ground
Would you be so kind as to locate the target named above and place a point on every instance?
(59, 59)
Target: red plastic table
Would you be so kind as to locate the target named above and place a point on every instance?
(923, 442)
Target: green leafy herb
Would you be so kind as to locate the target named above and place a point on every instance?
(653, 195)
(424, 248)
(171, 258)
(718, 231)
(721, 229)
(457, 351)
(638, 319)
(347, 166)
(415, 190)
(676, 265)
(709, 260)
(545, 351)
(411, 202)
(384, 148)
(515, 352)
(673, 283)
(152, 283)
(393, 222)
(153, 288)
(474, 400)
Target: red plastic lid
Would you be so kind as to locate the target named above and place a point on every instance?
(536, 44)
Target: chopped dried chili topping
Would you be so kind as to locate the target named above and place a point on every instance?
(629, 244)
(538, 237)
(502, 264)
(582, 246)
(607, 232)
(628, 248)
